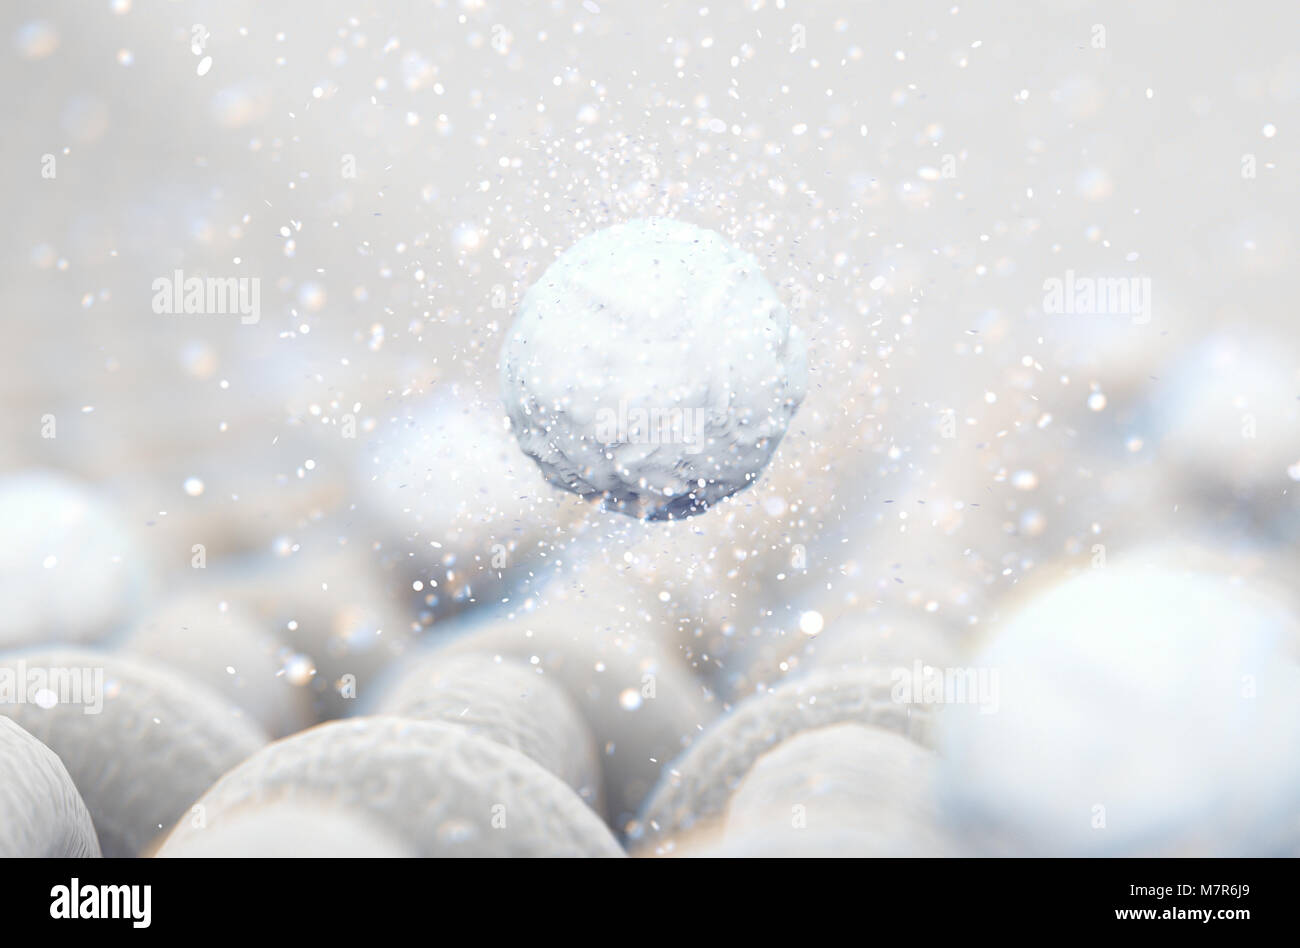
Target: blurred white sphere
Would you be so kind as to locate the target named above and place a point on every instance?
(228, 650)
(344, 618)
(1227, 411)
(449, 470)
(1138, 710)
(446, 483)
(69, 567)
(653, 365)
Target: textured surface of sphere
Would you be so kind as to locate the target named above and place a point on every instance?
(844, 790)
(442, 789)
(140, 742)
(1141, 711)
(41, 813)
(694, 792)
(506, 702)
(653, 365)
(298, 829)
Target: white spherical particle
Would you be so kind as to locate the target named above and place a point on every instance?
(844, 790)
(811, 622)
(695, 791)
(443, 480)
(504, 701)
(281, 829)
(652, 365)
(139, 741)
(344, 619)
(41, 812)
(227, 650)
(1141, 711)
(443, 790)
(1226, 411)
(69, 567)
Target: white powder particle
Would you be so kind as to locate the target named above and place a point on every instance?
(654, 366)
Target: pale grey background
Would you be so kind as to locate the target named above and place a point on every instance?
(489, 136)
